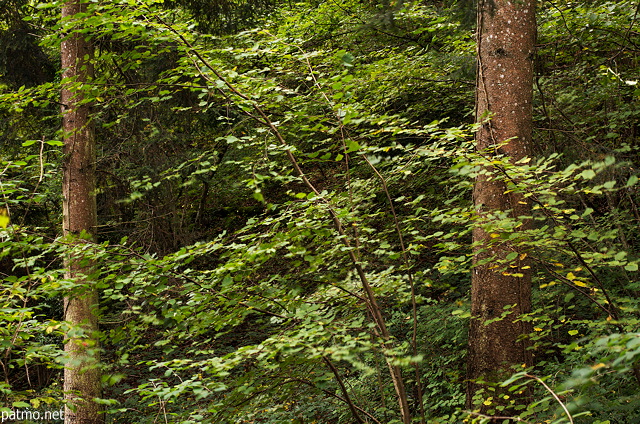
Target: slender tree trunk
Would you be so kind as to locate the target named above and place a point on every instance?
(81, 374)
(504, 90)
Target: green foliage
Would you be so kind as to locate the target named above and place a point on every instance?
(229, 292)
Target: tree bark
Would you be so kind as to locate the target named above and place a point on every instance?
(504, 90)
(81, 374)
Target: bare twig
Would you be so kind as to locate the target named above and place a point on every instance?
(555, 396)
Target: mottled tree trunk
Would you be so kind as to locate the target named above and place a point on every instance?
(506, 37)
(81, 374)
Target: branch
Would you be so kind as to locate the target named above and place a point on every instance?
(345, 393)
(539, 380)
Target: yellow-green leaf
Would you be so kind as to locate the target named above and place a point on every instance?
(4, 218)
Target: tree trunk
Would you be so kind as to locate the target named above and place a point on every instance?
(81, 374)
(504, 90)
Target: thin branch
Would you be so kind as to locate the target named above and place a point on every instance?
(372, 303)
(414, 304)
(343, 389)
(332, 394)
(564, 280)
(555, 396)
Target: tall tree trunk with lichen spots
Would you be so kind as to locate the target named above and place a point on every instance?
(81, 375)
(504, 90)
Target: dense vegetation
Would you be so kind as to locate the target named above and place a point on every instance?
(284, 197)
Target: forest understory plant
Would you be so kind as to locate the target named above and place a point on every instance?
(285, 216)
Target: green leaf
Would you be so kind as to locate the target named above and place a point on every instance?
(347, 59)
(588, 174)
(20, 404)
(352, 146)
